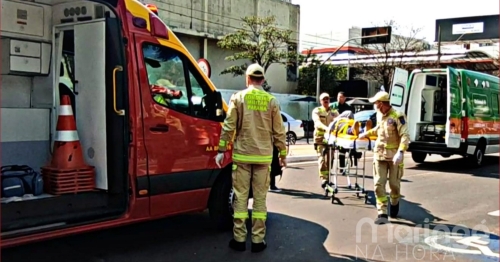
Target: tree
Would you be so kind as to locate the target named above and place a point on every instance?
(308, 75)
(259, 41)
(402, 44)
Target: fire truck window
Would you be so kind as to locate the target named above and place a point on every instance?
(167, 83)
(201, 95)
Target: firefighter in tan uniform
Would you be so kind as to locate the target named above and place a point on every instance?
(322, 117)
(254, 118)
(392, 142)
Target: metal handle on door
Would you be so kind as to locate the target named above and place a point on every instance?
(120, 112)
(159, 128)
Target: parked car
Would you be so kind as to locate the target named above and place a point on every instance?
(363, 116)
(296, 130)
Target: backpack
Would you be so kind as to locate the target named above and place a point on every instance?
(20, 180)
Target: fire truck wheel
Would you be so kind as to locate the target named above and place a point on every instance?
(220, 204)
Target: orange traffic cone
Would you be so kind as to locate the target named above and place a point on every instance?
(67, 171)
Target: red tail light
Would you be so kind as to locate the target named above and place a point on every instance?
(465, 127)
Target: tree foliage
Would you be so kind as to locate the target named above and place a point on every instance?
(404, 41)
(308, 75)
(259, 41)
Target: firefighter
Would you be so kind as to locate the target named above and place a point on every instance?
(322, 117)
(254, 118)
(388, 159)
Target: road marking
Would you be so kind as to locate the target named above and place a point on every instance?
(472, 241)
(494, 213)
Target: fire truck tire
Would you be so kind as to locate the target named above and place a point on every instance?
(221, 200)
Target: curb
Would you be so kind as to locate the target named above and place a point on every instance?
(295, 159)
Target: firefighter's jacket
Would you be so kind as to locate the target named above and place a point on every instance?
(254, 120)
(392, 135)
(322, 118)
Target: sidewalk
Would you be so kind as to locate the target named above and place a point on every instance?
(301, 153)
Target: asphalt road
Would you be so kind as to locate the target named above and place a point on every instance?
(304, 226)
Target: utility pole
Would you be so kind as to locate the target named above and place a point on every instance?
(439, 47)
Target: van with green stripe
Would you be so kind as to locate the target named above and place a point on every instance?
(450, 112)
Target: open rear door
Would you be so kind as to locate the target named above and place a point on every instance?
(453, 109)
(399, 90)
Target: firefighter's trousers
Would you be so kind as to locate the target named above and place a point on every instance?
(383, 171)
(322, 152)
(244, 177)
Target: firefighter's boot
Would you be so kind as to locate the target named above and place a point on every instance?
(394, 210)
(381, 219)
(237, 246)
(259, 247)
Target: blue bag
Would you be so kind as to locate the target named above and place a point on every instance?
(18, 181)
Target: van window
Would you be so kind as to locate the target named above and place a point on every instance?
(165, 69)
(283, 117)
(397, 94)
(480, 105)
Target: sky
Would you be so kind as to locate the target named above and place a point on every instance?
(325, 16)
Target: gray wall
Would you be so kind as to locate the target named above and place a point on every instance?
(194, 20)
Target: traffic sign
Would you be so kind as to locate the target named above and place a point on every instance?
(376, 35)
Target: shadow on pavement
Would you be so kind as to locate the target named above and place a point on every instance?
(183, 238)
(410, 213)
(458, 165)
(300, 194)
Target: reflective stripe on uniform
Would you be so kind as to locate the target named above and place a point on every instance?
(382, 199)
(240, 215)
(323, 172)
(283, 152)
(160, 99)
(222, 143)
(252, 158)
(259, 215)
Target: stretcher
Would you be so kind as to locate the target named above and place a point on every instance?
(342, 139)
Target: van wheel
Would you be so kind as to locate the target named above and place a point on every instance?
(476, 159)
(291, 137)
(418, 157)
(220, 205)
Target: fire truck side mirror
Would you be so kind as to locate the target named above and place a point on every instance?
(219, 110)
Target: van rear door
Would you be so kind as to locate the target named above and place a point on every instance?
(454, 108)
(399, 89)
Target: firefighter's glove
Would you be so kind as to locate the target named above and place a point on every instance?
(398, 158)
(219, 158)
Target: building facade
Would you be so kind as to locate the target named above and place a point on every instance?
(200, 23)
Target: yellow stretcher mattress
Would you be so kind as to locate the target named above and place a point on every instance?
(344, 133)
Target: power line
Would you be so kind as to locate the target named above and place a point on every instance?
(221, 24)
(202, 12)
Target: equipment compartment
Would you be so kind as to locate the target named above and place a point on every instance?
(431, 132)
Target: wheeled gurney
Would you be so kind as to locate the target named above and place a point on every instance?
(342, 138)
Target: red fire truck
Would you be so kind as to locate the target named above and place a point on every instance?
(152, 158)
